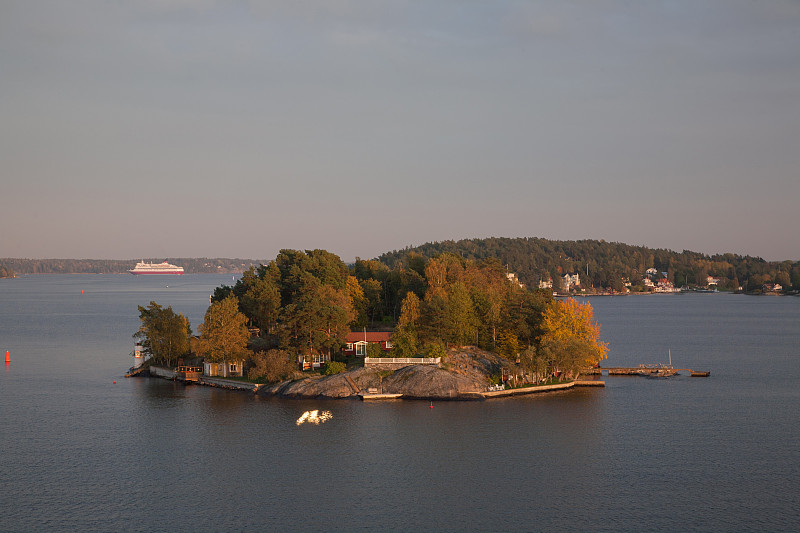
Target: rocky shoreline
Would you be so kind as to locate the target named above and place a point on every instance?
(412, 382)
(466, 377)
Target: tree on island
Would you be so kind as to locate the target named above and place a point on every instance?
(163, 334)
(405, 337)
(224, 333)
(304, 302)
(319, 317)
(271, 366)
(571, 339)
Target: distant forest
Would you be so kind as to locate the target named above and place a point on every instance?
(608, 265)
(601, 265)
(202, 265)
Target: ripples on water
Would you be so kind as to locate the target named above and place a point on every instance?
(78, 452)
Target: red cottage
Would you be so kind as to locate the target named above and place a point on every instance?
(357, 341)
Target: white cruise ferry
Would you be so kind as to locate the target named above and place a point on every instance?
(156, 268)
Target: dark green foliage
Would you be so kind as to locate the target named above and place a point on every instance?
(333, 367)
(436, 349)
(223, 333)
(533, 259)
(374, 350)
(164, 335)
(301, 302)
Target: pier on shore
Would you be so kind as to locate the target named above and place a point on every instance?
(645, 370)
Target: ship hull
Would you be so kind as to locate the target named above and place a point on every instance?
(149, 273)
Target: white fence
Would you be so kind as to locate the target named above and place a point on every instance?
(402, 361)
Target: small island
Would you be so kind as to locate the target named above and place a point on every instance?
(307, 325)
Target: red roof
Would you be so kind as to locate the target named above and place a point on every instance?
(369, 336)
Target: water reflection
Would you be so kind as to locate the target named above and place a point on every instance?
(314, 417)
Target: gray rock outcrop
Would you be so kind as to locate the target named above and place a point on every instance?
(467, 375)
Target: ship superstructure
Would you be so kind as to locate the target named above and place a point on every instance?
(156, 268)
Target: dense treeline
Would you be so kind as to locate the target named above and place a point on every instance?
(608, 265)
(202, 265)
(305, 304)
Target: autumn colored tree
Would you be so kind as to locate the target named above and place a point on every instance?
(444, 270)
(571, 336)
(461, 322)
(508, 345)
(358, 302)
(406, 337)
(224, 333)
(410, 312)
(783, 279)
(271, 366)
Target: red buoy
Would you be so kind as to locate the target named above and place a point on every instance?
(8, 357)
(431, 405)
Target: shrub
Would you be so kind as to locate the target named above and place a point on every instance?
(374, 350)
(436, 349)
(271, 366)
(333, 367)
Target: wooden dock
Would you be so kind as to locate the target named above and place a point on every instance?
(645, 370)
(379, 396)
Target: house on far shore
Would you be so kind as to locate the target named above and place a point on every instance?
(228, 369)
(357, 342)
(571, 280)
(771, 287)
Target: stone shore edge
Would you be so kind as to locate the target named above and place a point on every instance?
(165, 373)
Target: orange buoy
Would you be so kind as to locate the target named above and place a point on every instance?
(8, 357)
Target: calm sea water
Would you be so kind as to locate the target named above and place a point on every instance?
(79, 452)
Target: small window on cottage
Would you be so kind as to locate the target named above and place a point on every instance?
(232, 367)
(388, 345)
(349, 346)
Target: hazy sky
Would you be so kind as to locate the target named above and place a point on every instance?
(237, 128)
